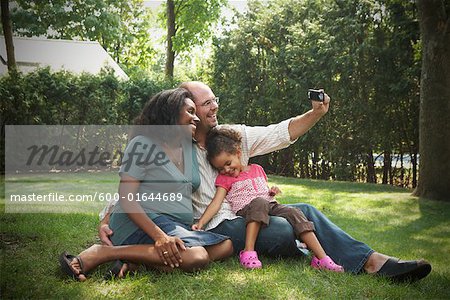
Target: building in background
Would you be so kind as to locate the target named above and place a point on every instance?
(72, 56)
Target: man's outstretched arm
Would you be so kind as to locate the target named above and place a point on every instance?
(301, 124)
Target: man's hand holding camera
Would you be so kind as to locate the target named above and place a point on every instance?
(320, 101)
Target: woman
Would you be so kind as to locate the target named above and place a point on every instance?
(155, 208)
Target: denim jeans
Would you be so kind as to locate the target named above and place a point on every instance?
(278, 239)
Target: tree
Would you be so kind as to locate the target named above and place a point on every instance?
(118, 25)
(7, 32)
(364, 53)
(434, 125)
(188, 24)
(171, 32)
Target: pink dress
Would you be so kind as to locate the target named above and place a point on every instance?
(247, 186)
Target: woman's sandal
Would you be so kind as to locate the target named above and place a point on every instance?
(65, 262)
(326, 263)
(116, 267)
(114, 271)
(249, 260)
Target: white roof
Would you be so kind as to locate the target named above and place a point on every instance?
(73, 56)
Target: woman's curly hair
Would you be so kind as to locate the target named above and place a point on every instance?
(162, 109)
(222, 139)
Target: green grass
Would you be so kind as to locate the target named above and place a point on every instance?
(387, 218)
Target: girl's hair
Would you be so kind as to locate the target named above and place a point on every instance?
(221, 140)
(162, 109)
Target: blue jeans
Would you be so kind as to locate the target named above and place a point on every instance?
(278, 239)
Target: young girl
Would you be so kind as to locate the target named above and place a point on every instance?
(245, 188)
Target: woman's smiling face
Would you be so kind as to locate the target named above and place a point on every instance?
(188, 116)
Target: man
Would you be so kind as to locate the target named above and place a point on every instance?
(278, 238)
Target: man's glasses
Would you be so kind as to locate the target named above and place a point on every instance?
(209, 102)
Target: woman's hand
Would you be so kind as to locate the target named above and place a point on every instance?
(104, 232)
(168, 250)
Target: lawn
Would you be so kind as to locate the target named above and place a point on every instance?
(387, 218)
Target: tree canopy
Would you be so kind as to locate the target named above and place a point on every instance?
(188, 23)
(365, 54)
(120, 26)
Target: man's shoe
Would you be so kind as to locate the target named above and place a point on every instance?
(405, 271)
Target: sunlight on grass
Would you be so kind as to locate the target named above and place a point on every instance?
(238, 277)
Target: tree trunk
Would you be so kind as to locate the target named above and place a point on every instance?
(304, 165)
(387, 161)
(371, 177)
(7, 32)
(286, 166)
(170, 53)
(402, 168)
(325, 172)
(315, 160)
(414, 169)
(434, 125)
(301, 166)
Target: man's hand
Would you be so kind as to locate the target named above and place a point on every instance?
(104, 232)
(299, 125)
(321, 107)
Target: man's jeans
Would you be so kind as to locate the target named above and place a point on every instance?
(278, 239)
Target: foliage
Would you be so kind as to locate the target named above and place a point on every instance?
(126, 29)
(193, 19)
(121, 27)
(363, 53)
(188, 24)
(45, 97)
(58, 98)
(366, 54)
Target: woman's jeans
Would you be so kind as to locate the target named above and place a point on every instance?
(278, 239)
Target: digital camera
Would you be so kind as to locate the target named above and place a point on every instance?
(316, 95)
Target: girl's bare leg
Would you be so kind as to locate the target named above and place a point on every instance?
(310, 239)
(251, 234)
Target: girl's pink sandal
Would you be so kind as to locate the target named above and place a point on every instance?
(326, 263)
(249, 260)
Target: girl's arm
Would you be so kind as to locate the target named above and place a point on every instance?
(212, 208)
(166, 246)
